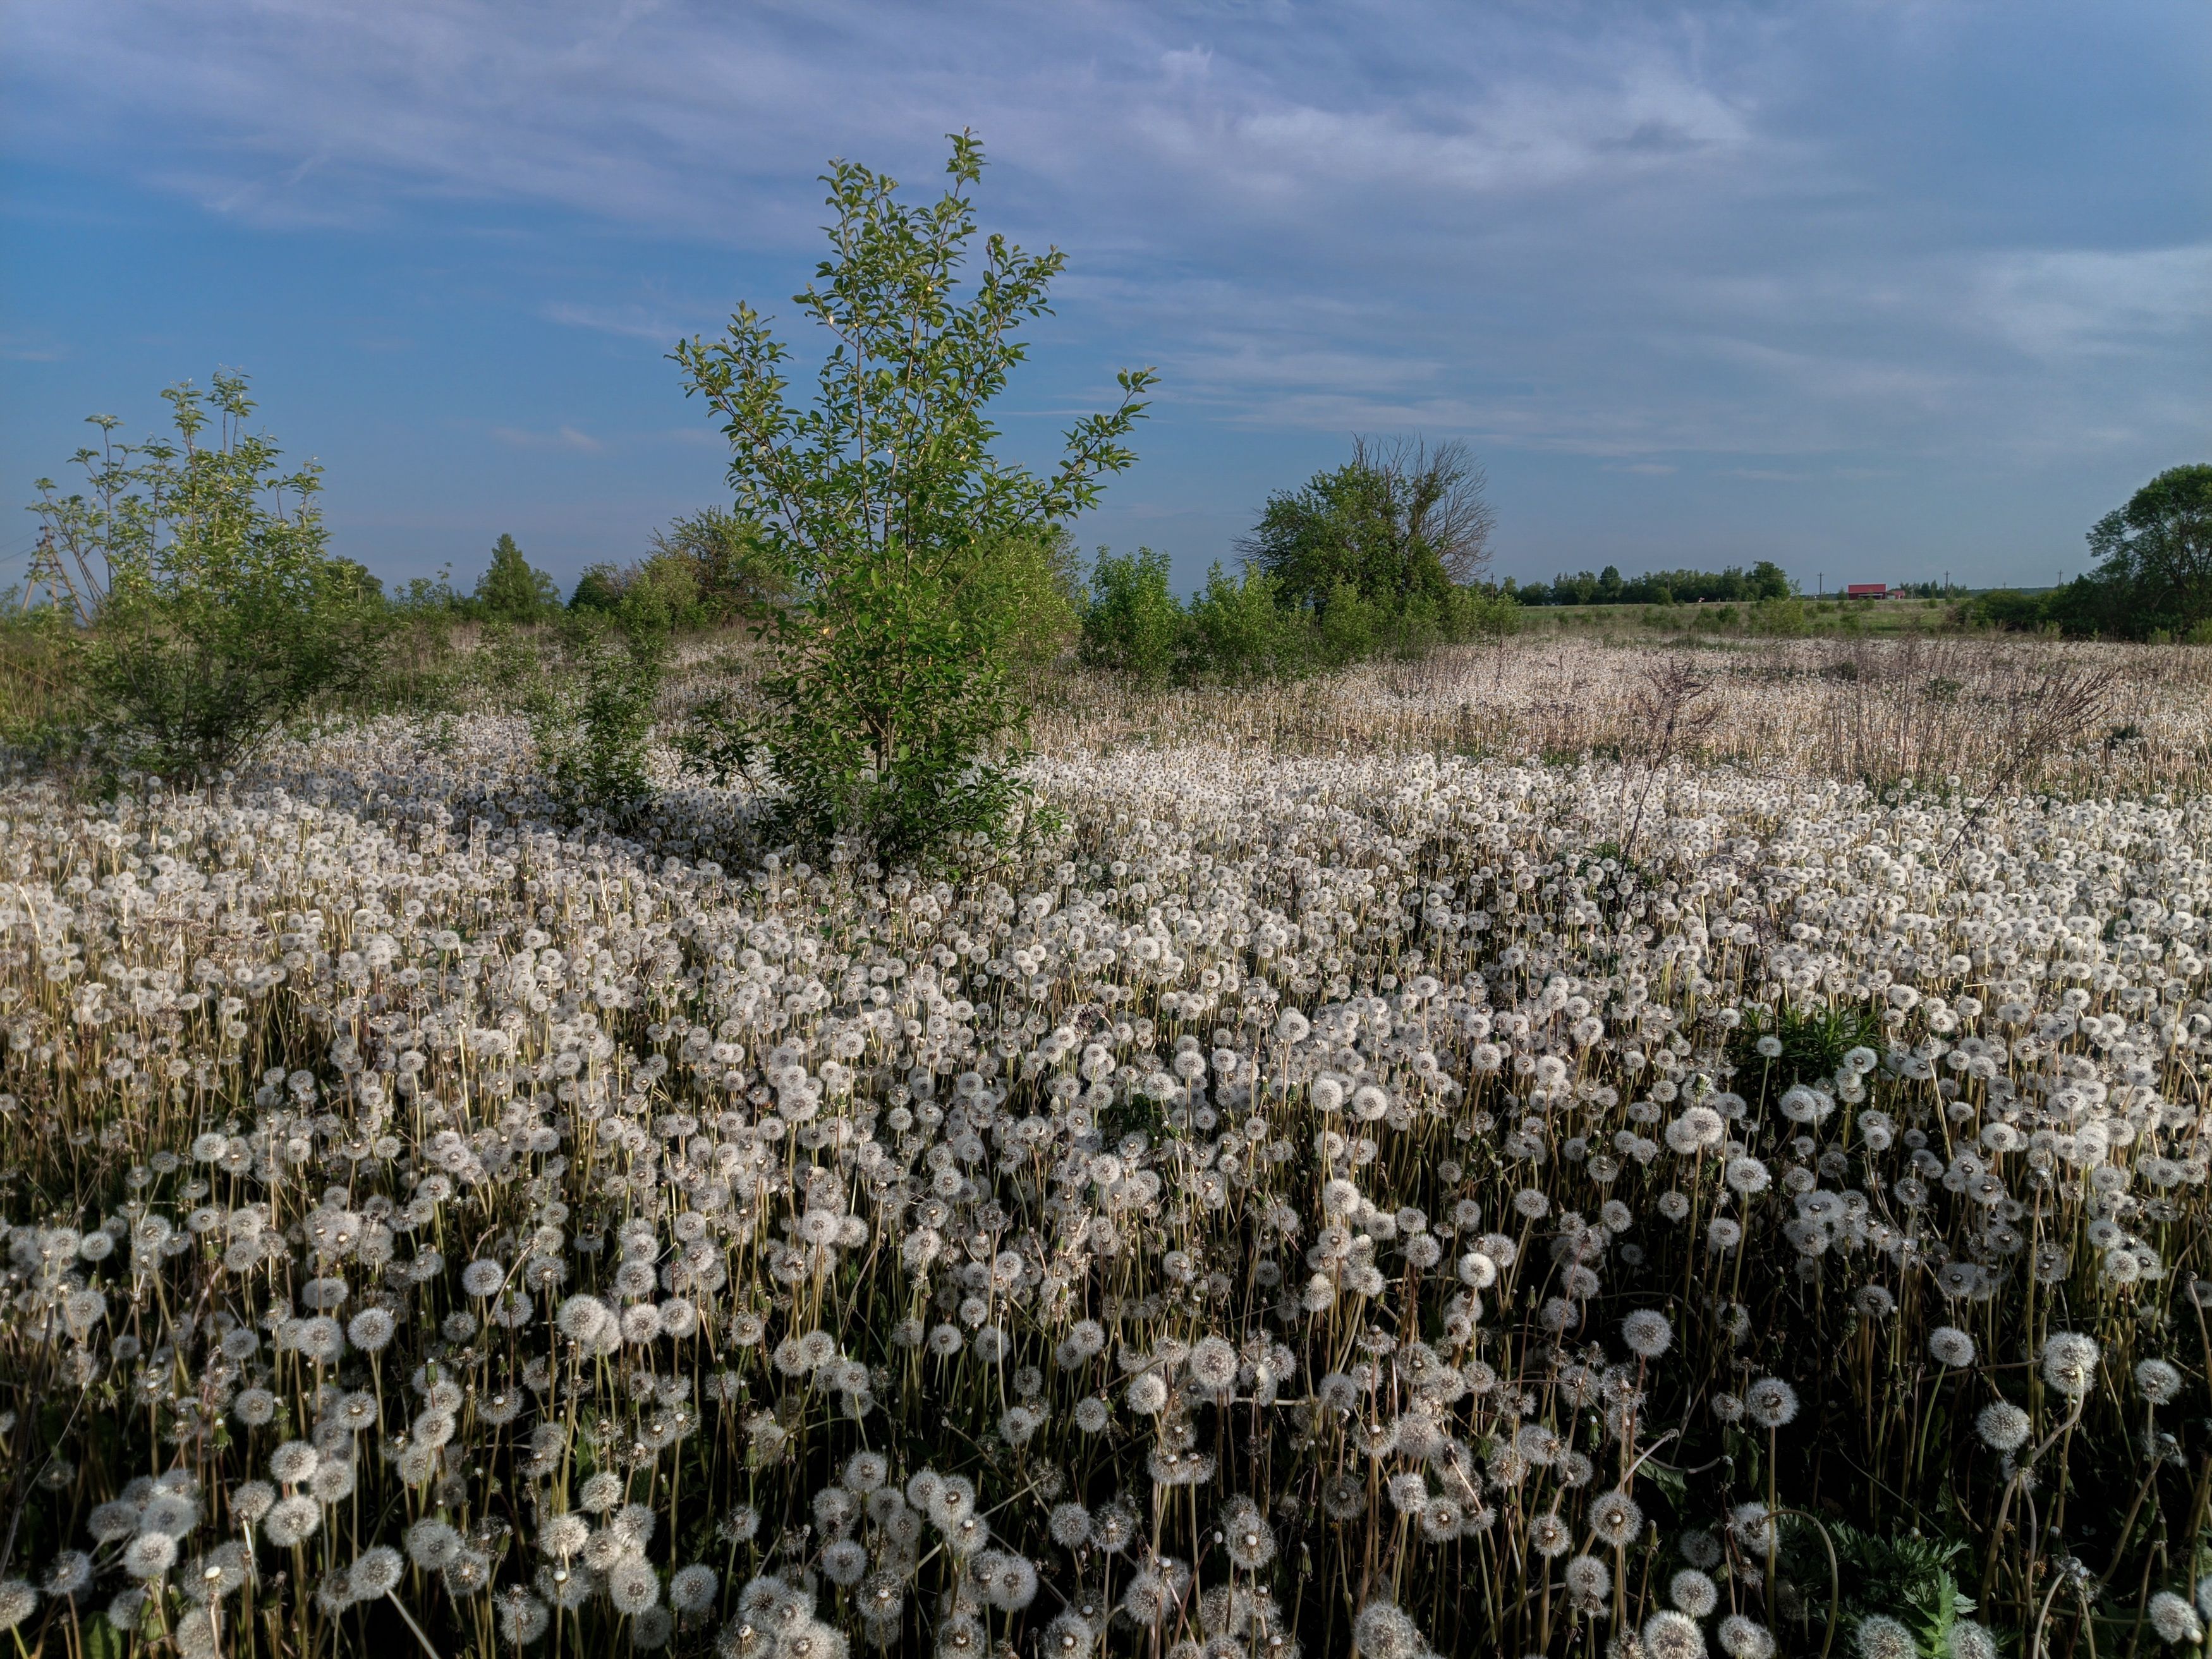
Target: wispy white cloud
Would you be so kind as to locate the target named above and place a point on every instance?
(31, 348)
(561, 437)
(694, 119)
(633, 322)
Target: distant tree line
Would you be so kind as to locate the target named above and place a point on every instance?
(1764, 581)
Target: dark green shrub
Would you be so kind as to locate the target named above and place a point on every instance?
(1379, 554)
(1030, 581)
(664, 588)
(592, 713)
(2154, 570)
(1240, 632)
(2004, 608)
(1350, 626)
(599, 588)
(1134, 623)
(1784, 617)
(1398, 522)
(1481, 612)
(734, 570)
(512, 590)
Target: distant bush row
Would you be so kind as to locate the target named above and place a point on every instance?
(1371, 558)
(1381, 556)
(706, 568)
(1243, 628)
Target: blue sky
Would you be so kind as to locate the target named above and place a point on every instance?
(1880, 289)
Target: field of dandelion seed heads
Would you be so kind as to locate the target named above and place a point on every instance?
(1549, 1150)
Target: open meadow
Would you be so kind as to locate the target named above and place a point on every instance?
(1554, 1147)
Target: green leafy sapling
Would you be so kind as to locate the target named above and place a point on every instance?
(891, 716)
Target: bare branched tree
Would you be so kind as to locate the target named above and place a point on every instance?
(1445, 496)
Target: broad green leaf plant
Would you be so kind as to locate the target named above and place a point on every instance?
(891, 718)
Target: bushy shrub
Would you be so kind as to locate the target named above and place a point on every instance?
(1398, 523)
(666, 589)
(734, 570)
(2009, 611)
(1350, 626)
(1029, 582)
(706, 569)
(1784, 617)
(1481, 611)
(195, 593)
(1239, 631)
(599, 588)
(1134, 623)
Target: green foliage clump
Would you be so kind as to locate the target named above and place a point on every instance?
(892, 716)
(1377, 556)
(1031, 579)
(599, 588)
(1481, 610)
(706, 569)
(591, 710)
(1389, 534)
(512, 590)
(1910, 1577)
(2155, 556)
(2009, 611)
(1134, 623)
(190, 594)
(1813, 1044)
(1782, 615)
(1239, 631)
(664, 588)
(1242, 629)
(734, 571)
